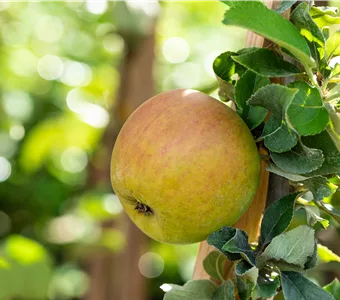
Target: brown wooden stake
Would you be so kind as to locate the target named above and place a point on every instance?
(250, 221)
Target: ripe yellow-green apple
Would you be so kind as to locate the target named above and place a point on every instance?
(184, 165)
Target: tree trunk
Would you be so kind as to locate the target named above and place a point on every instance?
(116, 276)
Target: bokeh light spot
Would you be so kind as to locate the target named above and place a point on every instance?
(97, 7)
(113, 43)
(50, 67)
(166, 287)
(112, 204)
(151, 265)
(5, 169)
(76, 74)
(23, 62)
(66, 229)
(73, 160)
(18, 105)
(90, 113)
(17, 132)
(49, 29)
(187, 75)
(176, 50)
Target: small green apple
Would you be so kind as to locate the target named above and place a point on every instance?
(184, 165)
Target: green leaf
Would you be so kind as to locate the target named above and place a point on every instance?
(277, 218)
(326, 255)
(214, 265)
(330, 210)
(275, 98)
(193, 289)
(308, 28)
(219, 238)
(247, 85)
(333, 45)
(318, 11)
(333, 288)
(312, 260)
(306, 112)
(322, 141)
(335, 70)
(278, 137)
(244, 288)
(293, 248)
(270, 25)
(333, 128)
(299, 160)
(292, 177)
(313, 216)
(284, 5)
(320, 187)
(266, 63)
(296, 287)
(255, 116)
(325, 15)
(326, 21)
(225, 291)
(239, 244)
(266, 287)
(225, 68)
(242, 267)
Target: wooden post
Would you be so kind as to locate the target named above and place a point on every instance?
(250, 221)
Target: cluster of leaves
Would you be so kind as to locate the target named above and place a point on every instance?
(276, 262)
(298, 123)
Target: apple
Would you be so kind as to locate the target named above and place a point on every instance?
(184, 165)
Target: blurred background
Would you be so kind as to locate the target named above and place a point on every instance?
(70, 75)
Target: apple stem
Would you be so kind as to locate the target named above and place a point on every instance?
(143, 208)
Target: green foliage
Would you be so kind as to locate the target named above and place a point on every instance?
(299, 124)
(194, 289)
(299, 160)
(239, 244)
(284, 5)
(245, 87)
(333, 45)
(277, 218)
(325, 255)
(297, 287)
(334, 289)
(325, 16)
(308, 29)
(272, 26)
(265, 62)
(266, 287)
(214, 265)
(290, 250)
(225, 291)
(313, 216)
(306, 113)
(219, 238)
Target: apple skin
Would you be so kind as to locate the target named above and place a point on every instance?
(183, 166)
